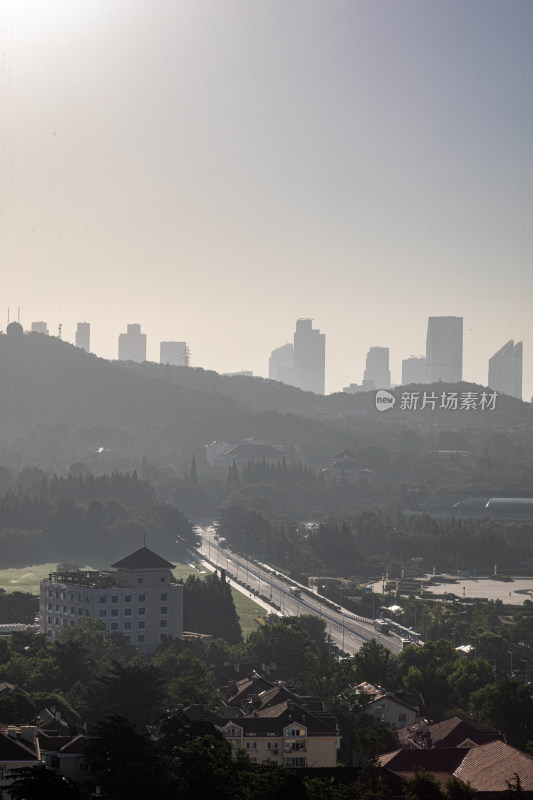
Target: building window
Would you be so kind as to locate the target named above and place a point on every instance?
(114, 612)
(49, 620)
(164, 610)
(103, 612)
(141, 612)
(114, 598)
(163, 623)
(114, 626)
(103, 598)
(127, 598)
(57, 607)
(402, 717)
(164, 597)
(141, 598)
(72, 595)
(50, 606)
(140, 638)
(127, 612)
(128, 638)
(141, 626)
(72, 610)
(57, 620)
(65, 610)
(162, 579)
(139, 580)
(87, 598)
(127, 626)
(80, 612)
(50, 593)
(84, 765)
(162, 637)
(87, 612)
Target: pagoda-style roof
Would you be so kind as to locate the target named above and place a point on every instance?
(143, 559)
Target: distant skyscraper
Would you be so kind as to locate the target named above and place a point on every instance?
(39, 327)
(444, 349)
(174, 353)
(309, 357)
(505, 369)
(414, 370)
(83, 336)
(132, 345)
(281, 363)
(377, 372)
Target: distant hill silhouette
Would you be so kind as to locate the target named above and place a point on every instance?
(169, 413)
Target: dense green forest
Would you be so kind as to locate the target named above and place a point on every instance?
(85, 519)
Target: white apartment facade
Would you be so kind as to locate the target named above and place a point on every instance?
(138, 599)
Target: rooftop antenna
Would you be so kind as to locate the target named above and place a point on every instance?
(187, 359)
(18, 317)
(59, 331)
(144, 539)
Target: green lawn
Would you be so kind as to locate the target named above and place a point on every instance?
(247, 611)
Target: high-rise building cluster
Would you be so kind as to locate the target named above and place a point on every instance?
(302, 363)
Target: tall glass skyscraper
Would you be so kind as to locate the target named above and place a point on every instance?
(444, 349)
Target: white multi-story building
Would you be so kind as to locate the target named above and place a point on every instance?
(139, 598)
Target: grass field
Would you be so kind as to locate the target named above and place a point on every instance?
(28, 579)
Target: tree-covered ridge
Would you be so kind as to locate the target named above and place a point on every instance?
(94, 532)
(80, 485)
(370, 542)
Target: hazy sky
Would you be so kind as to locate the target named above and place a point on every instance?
(215, 169)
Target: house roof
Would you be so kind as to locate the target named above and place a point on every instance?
(254, 451)
(451, 732)
(488, 767)
(270, 720)
(143, 559)
(10, 688)
(15, 748)
(375, 693)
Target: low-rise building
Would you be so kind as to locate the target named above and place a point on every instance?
(286, 734)
(138, 598)
(387, 707)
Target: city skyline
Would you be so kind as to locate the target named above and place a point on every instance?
(133, 345)
(220, 170)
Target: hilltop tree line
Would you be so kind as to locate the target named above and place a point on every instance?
(368, 542)
(95, 532)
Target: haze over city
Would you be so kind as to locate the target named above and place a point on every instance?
(214, 171)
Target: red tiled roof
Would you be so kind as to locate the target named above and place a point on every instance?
(143, 559)
(488, 767)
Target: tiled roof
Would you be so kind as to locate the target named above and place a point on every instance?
(10, 688)
(489, 766)
(451, 732)
(375, 693)
(444, 760)
(14, 748)
(143, 559)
